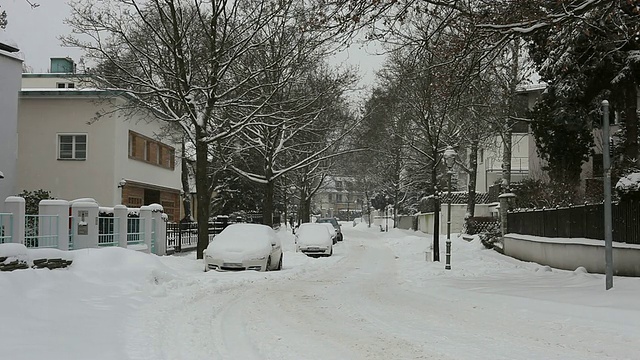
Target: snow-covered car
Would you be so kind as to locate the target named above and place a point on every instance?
(336, 226)
(244, 247)
(315, 239)
(332, 231)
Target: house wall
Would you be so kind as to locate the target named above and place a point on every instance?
(45, 81)
(458, 212)
(405, 222)
(140, 171)
(40, 122)
(490, 164)
(10, 70)
(43, 117)
(350, 200)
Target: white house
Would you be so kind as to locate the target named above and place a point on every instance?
(337, 197)
(490, 160)
(116, 159)
(10, 70)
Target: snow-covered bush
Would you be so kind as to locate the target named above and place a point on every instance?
(628, 187)
(491, 236)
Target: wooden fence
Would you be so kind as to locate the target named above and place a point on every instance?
(582, 221)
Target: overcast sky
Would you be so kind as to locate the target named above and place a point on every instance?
(36, 32)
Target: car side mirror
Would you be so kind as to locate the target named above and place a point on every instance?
(273, 244)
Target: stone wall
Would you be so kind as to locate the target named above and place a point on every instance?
(569, 254)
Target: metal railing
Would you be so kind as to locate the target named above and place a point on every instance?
(41, 231)
(108, 234)
(6, 227)
(182, 236)
(581, 221)
(135, 231)
(153, 235)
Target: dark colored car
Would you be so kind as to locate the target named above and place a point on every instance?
(335, 224)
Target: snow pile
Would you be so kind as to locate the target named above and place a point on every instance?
(18, 252)
(115, 303)
(12, 253)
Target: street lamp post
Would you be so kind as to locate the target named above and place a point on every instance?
(121, 185)
(348, 214)
(386, 218)
(450, 159)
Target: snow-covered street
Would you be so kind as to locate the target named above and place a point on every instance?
(376, 298)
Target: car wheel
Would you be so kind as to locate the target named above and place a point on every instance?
(268, 265)
(279, 263)
(340, 238)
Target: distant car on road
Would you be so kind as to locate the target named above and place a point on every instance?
(244, 247)
(336, 226)
(315, 239)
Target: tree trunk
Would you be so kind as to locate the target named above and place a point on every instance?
(267, 207)
(203, 191)
(506, 159)
(473, 175)
(285, 212)
(368, 205)
(631, 123)
(305, 215)
(511, 111)
(436, 212)
(186, 200)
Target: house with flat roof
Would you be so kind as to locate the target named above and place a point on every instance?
(122, 157)
(10, 70)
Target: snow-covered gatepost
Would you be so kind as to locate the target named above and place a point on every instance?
(146, 217)
(160, 229)
(59, 209)
(504, 207)
(121, 213)
(85, 234)
(16, 206)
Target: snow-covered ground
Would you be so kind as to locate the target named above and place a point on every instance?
(376, 298)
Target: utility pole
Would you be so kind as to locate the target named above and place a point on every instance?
(606, 162)
(436, 227)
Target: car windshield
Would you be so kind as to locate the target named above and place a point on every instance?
(330, 221)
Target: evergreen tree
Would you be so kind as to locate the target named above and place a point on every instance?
(563, 140)
(592, 59)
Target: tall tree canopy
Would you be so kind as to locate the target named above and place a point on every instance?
(193, 64)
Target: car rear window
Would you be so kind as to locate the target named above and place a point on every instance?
(330, 221)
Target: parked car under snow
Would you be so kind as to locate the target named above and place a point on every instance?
(336, 225)
(244, 247)
(315, 239)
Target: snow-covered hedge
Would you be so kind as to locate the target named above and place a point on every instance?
(629, 185)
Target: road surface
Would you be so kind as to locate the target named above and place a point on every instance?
(361, 305)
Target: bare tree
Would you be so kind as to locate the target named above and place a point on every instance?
(181, 60)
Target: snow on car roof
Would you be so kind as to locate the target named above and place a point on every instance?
(313, 226)
(239, 231)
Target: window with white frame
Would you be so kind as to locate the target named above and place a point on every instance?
(63, 85)
(72, 146)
